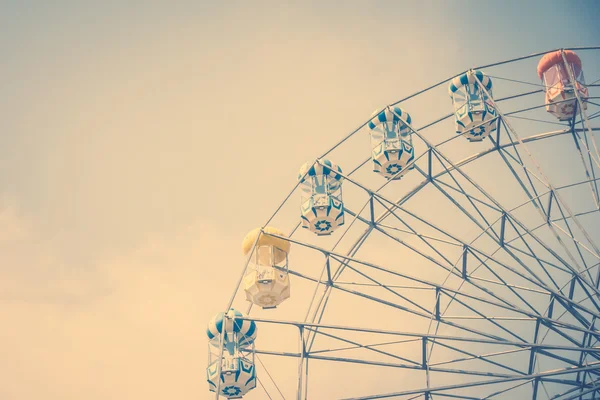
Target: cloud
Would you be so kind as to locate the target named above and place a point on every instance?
(129, 328)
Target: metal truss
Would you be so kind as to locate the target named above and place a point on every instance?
(533, 264)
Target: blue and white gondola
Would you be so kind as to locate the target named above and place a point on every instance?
(474, 112)
(322, 209)
(391, 142)
(238, 372)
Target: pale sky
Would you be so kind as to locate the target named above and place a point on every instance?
(141, 141)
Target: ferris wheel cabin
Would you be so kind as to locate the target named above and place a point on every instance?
(237, 375)
(391, 142)
(322, 208)
(474, 111)
(560, 88)
(267, 283)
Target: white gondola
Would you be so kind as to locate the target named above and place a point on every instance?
(474, 112)
(267, 282)
(391, 142)
(560, 90)
(238, 371)
(322, 209)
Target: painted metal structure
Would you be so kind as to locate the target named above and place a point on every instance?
(503, 304)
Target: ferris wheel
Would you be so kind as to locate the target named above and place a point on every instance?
(448, 248)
